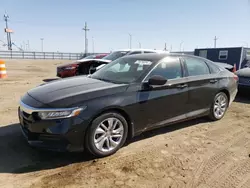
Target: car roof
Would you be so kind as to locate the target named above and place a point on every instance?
(158, 56)
(138, 49)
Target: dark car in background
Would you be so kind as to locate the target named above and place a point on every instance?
(126, 97)
(244, 78)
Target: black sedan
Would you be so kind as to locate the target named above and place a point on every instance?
(130, 95)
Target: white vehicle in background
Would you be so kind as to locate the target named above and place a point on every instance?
(120, 53)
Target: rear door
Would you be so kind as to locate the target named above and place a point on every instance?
(203, 85)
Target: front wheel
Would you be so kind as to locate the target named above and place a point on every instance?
(219, 106)
(107, 134)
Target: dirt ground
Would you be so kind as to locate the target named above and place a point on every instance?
(197, 153)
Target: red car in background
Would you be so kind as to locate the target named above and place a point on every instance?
(81, 66)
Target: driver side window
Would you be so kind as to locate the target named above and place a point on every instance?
(167, 69)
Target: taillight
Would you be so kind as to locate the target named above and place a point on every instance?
(234, 69)
(236, 78)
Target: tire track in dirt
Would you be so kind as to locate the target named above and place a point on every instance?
(245, 184)
(209, 167)
(234, 176)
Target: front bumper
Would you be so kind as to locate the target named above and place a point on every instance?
(56, 135)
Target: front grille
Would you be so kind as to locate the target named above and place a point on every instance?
(27, 118)
(25, 115)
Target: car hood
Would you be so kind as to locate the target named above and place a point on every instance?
(245, 72)
(72, 92)
(73, 64)
(99, 60)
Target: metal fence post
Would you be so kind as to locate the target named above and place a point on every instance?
(11, 54)
(34, 55)
(43, 55)
(53, 55)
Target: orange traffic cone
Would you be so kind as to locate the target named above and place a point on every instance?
(3, 73)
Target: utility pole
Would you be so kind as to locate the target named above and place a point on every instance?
(7, 31)
(28, 45)
(139, 44)
(86, 39)
(215, 40)
(130, 40)
(165, 48)
(42, 44)
(181, 45)
(93, 45)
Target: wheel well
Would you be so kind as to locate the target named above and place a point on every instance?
(226, 92)
(124, 114)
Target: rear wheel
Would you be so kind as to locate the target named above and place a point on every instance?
(107, 134)
(219, 106)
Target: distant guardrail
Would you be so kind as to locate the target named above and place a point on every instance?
(41, 55)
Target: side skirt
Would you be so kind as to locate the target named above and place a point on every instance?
(178, 119)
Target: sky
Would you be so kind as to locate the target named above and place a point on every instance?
(181, 24)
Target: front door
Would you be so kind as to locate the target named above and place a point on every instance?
(167, 103)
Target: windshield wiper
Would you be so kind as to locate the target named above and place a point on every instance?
(111, 81)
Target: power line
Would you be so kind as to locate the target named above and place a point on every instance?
(86, 39)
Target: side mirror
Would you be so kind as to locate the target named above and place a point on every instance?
(157, 80)
(92, 70)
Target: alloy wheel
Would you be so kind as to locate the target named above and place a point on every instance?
(220, 106)
(108, 134)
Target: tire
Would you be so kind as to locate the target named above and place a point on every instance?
(102, 140)
(221, 104)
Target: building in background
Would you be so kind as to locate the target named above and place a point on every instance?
(239, 56)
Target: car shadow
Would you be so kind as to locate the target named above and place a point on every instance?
(18, 157)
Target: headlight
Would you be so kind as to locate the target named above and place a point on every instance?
(69, 68)
(57, 114)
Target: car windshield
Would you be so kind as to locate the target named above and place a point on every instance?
(123, 70)
(115, 55)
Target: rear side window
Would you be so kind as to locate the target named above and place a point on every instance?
(168, 68)
(196, 67)
(135, 52)
(213, 68)
(148, 52)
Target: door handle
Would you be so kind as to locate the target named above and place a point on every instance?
(213, 81)
(181, 86)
